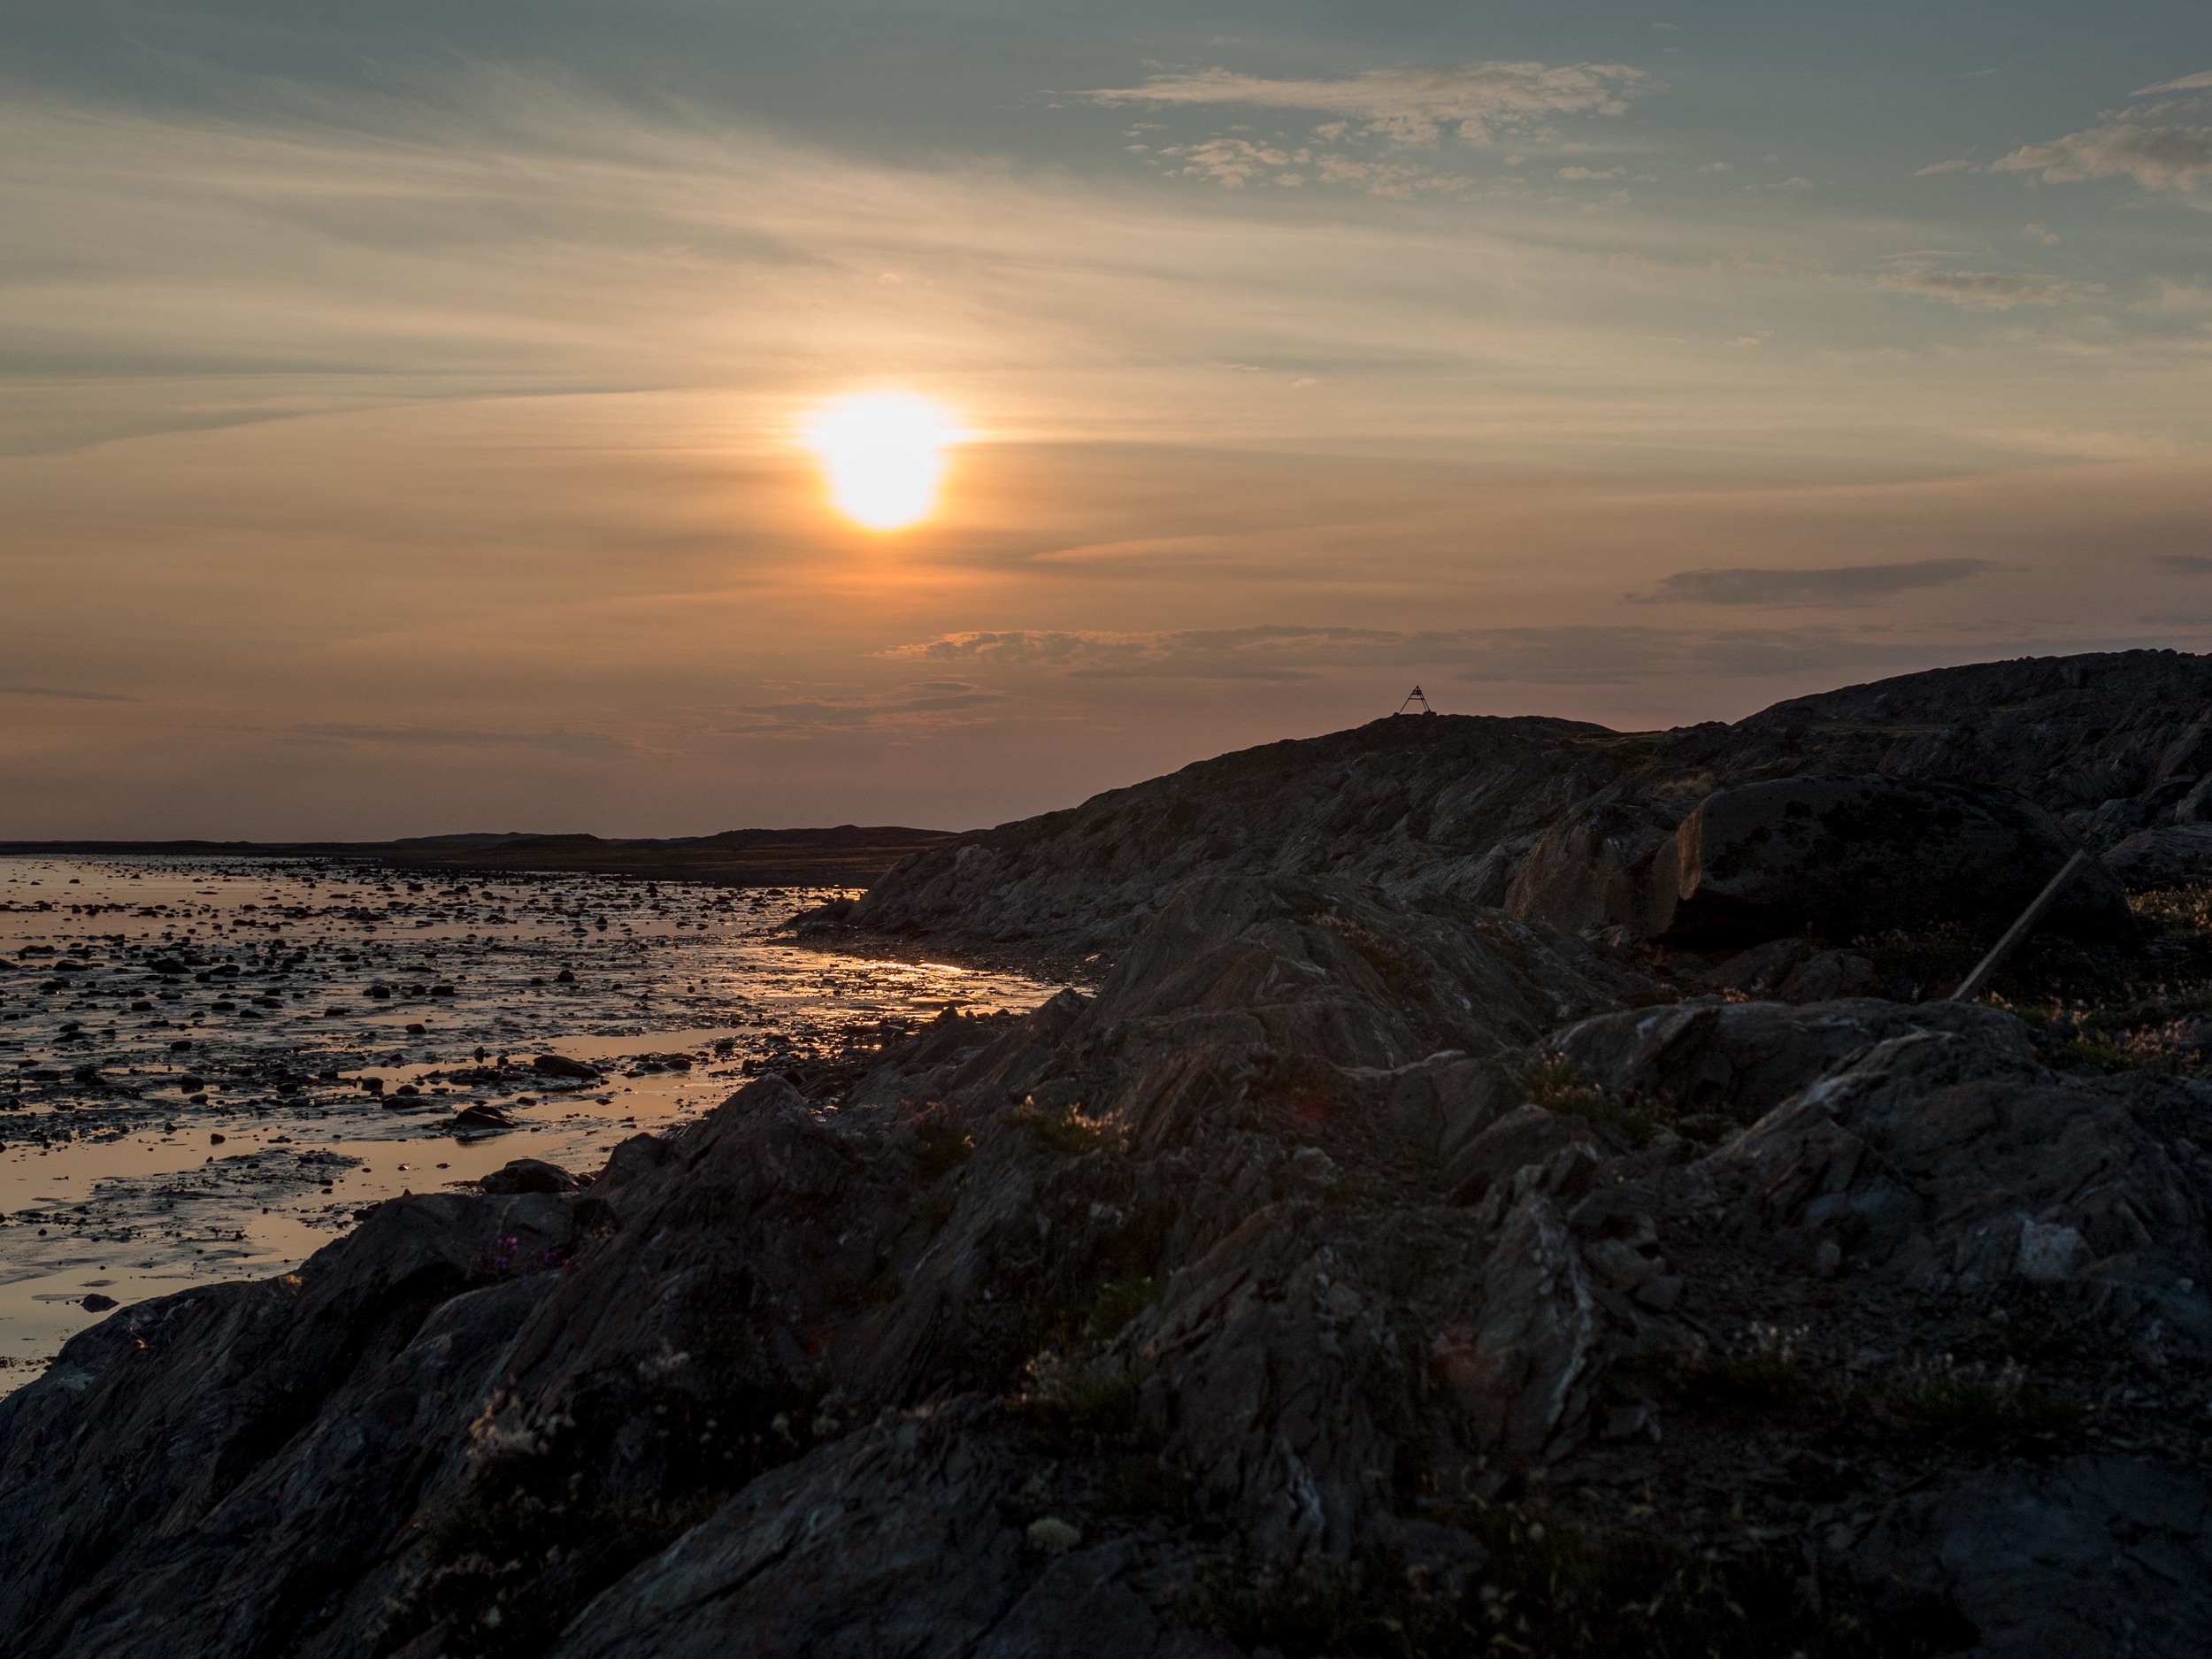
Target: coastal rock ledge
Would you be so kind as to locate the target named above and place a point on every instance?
(1422, 1241)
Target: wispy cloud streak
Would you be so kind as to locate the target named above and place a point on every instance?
(1830, 585)
(1413, 106)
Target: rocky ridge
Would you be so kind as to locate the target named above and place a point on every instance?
(1363, 1270)
(1563, 821)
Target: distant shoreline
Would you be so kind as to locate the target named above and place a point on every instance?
(845, 855)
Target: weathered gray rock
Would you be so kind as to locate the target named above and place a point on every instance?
(2169, 855)
(1595, 866)
(1084, 1603)
(892, 1541)
(2097, 1557)
(1528, 1134)
(1273, 1376)
(280, 1429)
(1743, 1059)
(1305, 1367)
(1398, 802)
(1334, 969)
(1946, 1160)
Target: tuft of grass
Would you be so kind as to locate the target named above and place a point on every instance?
(1925, 959)
(1118, 1301)
(945, 1145)
(1137, 1488)
(509, 1569)
(1553, 1591)
(1076, 1404)
(1978, 1410)
(1767, 1374)
(2182, 913)
(533, 1538)
(1066, 1131)
(1557, 1084)
(1706, 1128)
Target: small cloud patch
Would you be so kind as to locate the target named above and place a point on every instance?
(1834, 585)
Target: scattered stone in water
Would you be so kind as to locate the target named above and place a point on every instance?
(561, 1066)
(481, 1120)
(529, 1175)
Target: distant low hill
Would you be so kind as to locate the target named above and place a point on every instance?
(846, 855)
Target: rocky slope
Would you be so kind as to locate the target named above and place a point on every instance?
(1362, 1271)
(1544, 816)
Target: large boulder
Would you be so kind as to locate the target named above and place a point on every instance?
(1846, 857)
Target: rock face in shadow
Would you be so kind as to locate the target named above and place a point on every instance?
(2166, 856)
(1351, 1266)
(1839, 858)
(2057, 1559)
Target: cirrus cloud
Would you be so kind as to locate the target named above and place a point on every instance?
(2187, 83)
(2158, 158)
(1834, 584)
(1409, 105)
(1988, 290)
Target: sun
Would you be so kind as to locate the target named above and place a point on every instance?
(883, 454)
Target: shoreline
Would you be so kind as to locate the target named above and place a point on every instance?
(846, 855)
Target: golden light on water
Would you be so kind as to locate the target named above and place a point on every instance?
(883, 454)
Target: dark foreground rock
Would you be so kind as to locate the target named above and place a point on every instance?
(1358, 1273)
(1329, 1235)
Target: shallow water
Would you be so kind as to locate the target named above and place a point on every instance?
(184, 1045)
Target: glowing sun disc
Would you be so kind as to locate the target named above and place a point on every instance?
(883, 454)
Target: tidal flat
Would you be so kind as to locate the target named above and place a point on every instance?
(209, 1066)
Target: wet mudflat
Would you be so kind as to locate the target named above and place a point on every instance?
(207, 1066)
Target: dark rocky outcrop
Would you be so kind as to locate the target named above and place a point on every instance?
(1561, 821)
(1362, 1269)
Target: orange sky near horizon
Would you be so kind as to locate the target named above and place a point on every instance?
(439, 460)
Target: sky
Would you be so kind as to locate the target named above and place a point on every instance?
(405, 410)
